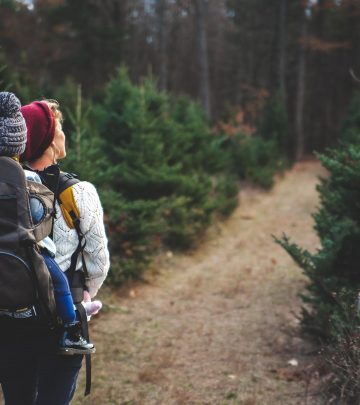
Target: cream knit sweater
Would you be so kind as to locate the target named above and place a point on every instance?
(96, 252)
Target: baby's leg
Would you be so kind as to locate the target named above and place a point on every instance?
(64, 302)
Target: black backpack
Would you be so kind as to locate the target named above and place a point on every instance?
(26, 290)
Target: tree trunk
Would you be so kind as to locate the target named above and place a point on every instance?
(201, 8)
(162, 44)
(300, 97)
(282, 51)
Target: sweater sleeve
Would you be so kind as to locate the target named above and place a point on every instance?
(96, 252)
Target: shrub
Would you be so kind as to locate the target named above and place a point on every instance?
(156, 164)
(254, 159)
(11, 80)
(226, 187)
(331, 310)
(135, 229)
(253, 154)
(335, 265)
(351, 126)
(274, 125)
(343, 353)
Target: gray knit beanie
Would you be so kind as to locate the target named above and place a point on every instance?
(12, 125)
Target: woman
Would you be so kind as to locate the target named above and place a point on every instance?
(45, 147)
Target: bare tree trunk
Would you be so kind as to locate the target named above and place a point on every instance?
(300, 98)
(201, 8)
(282, 51)
(162, 43)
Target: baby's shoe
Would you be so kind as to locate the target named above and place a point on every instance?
(72, 341)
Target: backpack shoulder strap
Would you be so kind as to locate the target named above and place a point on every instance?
(65, 197)
(71, 215)
(67, 180)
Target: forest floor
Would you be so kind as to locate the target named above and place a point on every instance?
(217, 325)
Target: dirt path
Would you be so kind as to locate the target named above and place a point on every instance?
(216, 326)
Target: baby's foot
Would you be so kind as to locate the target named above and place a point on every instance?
(72, 342)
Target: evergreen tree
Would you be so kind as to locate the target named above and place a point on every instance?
(275, 125)
(333, 269)
(351, 125)
(159, 170)
(330, 312)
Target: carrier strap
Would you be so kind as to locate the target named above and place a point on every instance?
(85, 331)
(72, 218)
(79, 249)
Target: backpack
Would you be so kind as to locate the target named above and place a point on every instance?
(26, 290)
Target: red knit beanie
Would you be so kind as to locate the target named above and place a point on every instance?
(40, 123)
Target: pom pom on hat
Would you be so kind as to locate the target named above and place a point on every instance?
(9, 104)
(12, 125)
(40, 124)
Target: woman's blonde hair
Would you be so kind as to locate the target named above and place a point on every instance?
(55, 109)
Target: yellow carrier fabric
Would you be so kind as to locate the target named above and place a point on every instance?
(68, 206)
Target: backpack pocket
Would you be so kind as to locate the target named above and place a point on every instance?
(17, 284)
(45, 198)
(8, 209)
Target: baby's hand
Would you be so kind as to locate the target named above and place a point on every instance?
(87, 297)
(92, 307)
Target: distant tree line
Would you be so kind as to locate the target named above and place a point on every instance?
(228, 54)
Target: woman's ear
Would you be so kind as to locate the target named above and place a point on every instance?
(55, 150)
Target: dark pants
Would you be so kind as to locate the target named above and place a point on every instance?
(31, 374)
(57, 377)
(18, 377)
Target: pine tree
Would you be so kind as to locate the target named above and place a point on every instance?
(331, 307)
(333, 269)
(161, 175)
